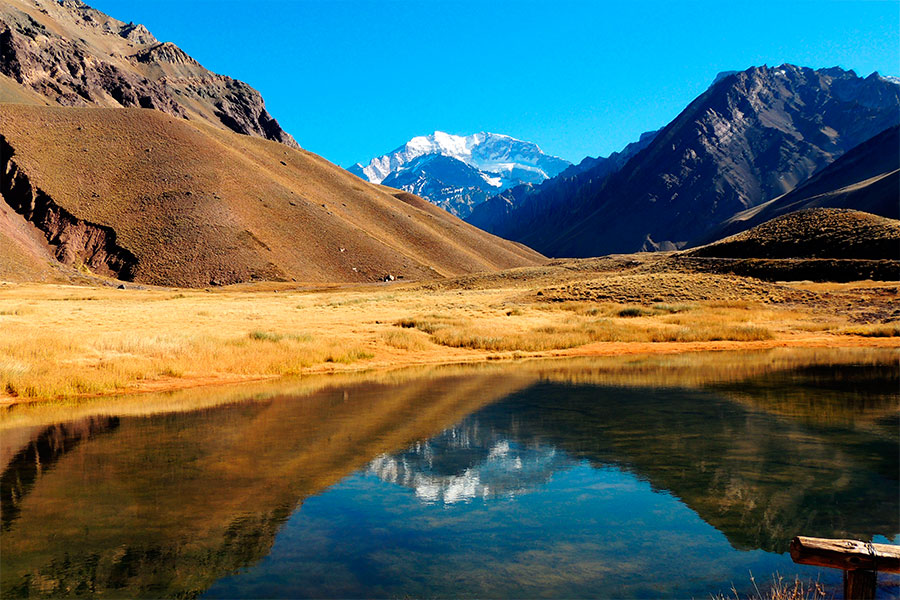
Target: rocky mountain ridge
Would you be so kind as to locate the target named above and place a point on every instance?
(751, 136)
(866, 178)
(75, 55)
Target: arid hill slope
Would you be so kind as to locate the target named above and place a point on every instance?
(143, 196)
(75, 55)
(818, 244)
(813, 233)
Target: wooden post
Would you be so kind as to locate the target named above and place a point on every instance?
(860, 561)
(860, 584)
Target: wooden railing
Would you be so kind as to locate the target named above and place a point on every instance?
(860, 561)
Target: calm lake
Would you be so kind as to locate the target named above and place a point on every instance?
(642, 477)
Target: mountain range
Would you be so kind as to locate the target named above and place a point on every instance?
(752, 136)
(123, 157)
(516, 208)
(457, 172)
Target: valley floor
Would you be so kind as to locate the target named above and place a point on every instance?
(63, 341)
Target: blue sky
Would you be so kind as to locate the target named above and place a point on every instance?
(353, 79)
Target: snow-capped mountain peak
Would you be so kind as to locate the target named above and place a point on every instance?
(500, 161)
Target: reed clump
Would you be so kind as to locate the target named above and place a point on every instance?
(778, 589)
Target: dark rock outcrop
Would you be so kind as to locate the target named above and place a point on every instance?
(75, 242)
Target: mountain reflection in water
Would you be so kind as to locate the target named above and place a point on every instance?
(469, 461)
(526, 480)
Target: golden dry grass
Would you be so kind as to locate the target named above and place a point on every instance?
(876, 330)
(568, 331)
(66, 341)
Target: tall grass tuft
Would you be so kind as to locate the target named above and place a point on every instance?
(778, 590)
(265, 336)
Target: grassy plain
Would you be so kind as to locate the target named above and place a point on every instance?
(59, 341)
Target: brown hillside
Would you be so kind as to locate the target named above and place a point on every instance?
(143, 196)
(75, 55)
(818, 244)
(813, 233)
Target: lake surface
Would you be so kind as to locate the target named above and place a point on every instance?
(657, 477)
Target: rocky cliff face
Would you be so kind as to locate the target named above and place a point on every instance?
(78, 56)
(866, 178)
(752, 136)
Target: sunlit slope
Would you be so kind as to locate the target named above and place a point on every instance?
(192, 205)
(11, 91)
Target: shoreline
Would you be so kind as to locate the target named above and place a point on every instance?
(598, 349)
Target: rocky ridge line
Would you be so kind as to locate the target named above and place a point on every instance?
(78, 69)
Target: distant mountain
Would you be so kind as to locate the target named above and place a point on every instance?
(866, 178)
(75, 55)
(750, 137)
(516, 212)
(459, 172)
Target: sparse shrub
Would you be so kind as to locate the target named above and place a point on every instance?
(673, 308)
(350, 356)
(634, 311)
(429, 324)
(265, 336)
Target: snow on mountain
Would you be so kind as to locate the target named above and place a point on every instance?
(497, 161)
